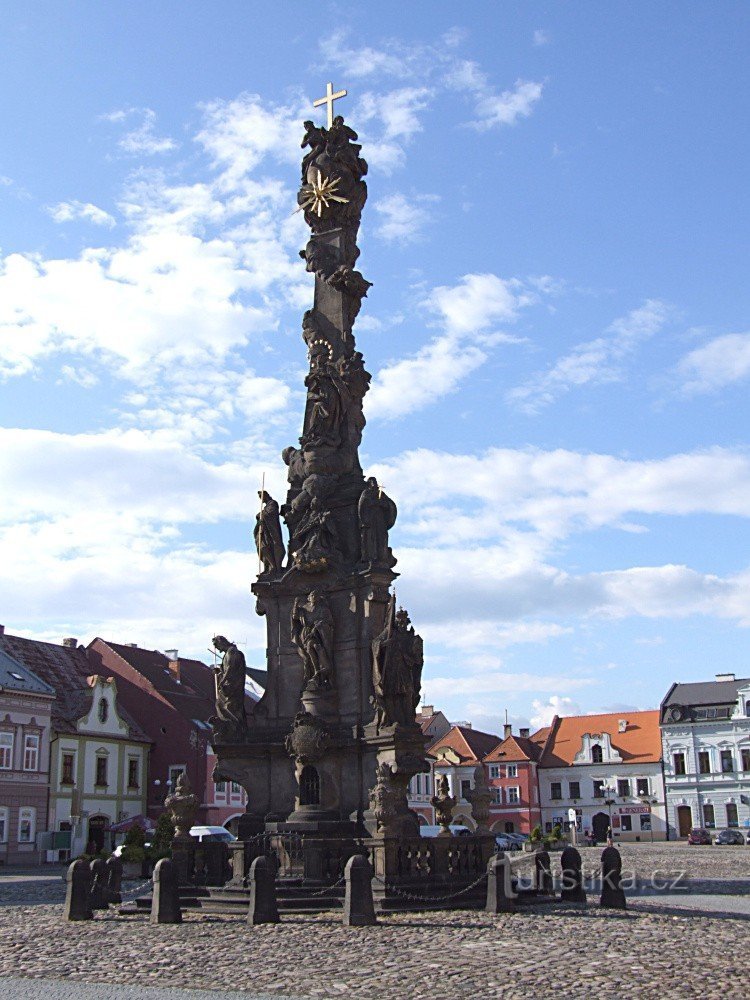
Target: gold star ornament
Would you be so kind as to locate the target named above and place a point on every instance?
(320, 192)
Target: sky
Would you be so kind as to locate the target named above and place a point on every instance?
(558, 328)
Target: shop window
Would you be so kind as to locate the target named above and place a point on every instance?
(31, 752)
(68, 766)
(626, 823)
(26, 825)
(6, 751)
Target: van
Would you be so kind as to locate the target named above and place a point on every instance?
(212, 834)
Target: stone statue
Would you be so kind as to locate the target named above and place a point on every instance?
(315, 540)
(480, 797)
(443, 804)
(325, 392)
(397, 659)
(312, 634)
(182, 804)
(315, 138)
(384, 799)
(377, 515)
(230, 687)
(295, 462)
(267, 533)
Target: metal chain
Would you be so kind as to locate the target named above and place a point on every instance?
(321, 892)
(430, 899)
(134, 892)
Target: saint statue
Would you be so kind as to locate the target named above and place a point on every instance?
(312, 634)
(230, 685)
(377, 515)
(397, 658)
(267, 533)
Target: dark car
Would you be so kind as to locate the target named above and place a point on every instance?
(699, 835)
(730, 837)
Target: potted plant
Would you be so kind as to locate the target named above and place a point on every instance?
(133, 852)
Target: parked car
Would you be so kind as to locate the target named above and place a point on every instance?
(699, 835)
(212, 834)
(730, 837)
(510, 841)
(120, 847)
(457, 829)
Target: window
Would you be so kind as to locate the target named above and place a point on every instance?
(220, 787)
(4, 824)
(679, 763)
(465, 788)
(6, 751)
(68, 766)
(510, 827)
(236, 788)
(732, 814)
(727, 762)
(494, 771)
(513, 796)
(133, 769)
(746, 760)
(645, 822)
(596, 754)
(555, 790)
(704, 762)
(574, 789)
(641, 785)
(103, 710)
(174, 772)
(497, 795)
(31, 753)
(26, 825)
(511, 771)
(626, 823)
(708, 815)
(623, 787)
(599, 788)
(101, 772)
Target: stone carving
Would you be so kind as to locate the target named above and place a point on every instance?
(397, 659)
(328, 400)
(443, 804)
(295, 461)
(315, 138)
(312, 634)
(231, 720)
(308, 739)
(267, 533)
(384, 799)
(313, 541)
(480, 797)
(182, 806)
(377, 515)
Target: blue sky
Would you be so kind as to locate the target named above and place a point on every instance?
(558, 327)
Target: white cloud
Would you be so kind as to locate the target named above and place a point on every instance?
(541, 37)
(594, 362)
(466, 310)
(403, 219)
(81, 376)
(544, 712)
(141, 140)
(68, 211)
(722, 362)
(492, 108)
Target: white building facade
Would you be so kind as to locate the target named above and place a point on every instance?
(706, 745)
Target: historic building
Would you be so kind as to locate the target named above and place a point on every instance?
(434, 725)
(457, 756)
(25, 728)
(706, 746)
(174, 697)
(511, 770)
(608, 769)
(97, 754)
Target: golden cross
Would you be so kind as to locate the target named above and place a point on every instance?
(328, 100)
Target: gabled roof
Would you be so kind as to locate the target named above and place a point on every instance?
(471, 745)
(640, 743)
(705, 693)
(64, 669)
(515, 749)
(16, 676)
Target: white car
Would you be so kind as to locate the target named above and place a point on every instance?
(212, 834)
(457, 829)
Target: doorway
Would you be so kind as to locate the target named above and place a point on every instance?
(684, 820)
(599, 826)
(97, 828)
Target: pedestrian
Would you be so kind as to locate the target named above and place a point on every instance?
(609, 836)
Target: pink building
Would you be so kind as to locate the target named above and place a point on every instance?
(511, 770)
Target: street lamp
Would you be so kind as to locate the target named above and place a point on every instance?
(650, 803)
(609, 801)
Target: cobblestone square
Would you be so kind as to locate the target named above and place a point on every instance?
(660, 947)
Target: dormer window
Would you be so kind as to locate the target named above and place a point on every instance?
(103, 710)
(596, 754)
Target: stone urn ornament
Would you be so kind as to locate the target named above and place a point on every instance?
(443, 804)
(182, 806)
(480, 797)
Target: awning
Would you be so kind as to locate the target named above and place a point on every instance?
(124, 825)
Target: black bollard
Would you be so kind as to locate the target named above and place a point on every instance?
(77, 905)
(613, 896)
(500, 895)
(572, 877)
(98, 893)
(112, 889)
(261, 880)
(359, 907)
(544, 885)
(165, 902)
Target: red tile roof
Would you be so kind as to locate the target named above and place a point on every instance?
(514, 749)
(639, 743)
(471, 745)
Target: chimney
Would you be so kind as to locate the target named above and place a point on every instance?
(70, 643)
(725, 677)
(171, 654)
(2, 630)
(132, 645)
(524, 733)
(426, 711)
(622, 725)
(507, 730)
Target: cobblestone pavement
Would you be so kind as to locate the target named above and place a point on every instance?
(651, 950)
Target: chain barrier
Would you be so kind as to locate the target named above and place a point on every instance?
(136, 891)
(321, 892)
(414, 898)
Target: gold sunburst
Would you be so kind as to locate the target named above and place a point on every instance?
(320, 192)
